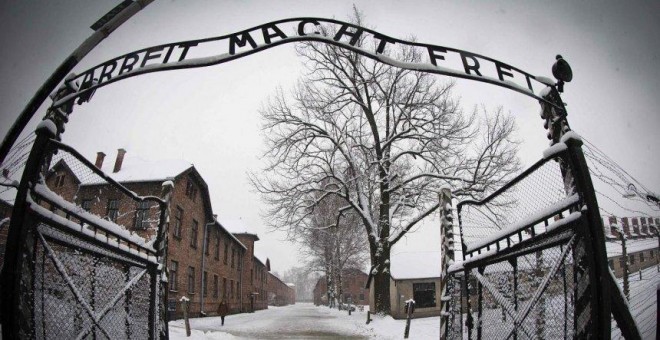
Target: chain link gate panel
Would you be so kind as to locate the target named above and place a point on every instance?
(71, 274)
(528, 268)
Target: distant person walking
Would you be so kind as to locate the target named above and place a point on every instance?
(223, 310)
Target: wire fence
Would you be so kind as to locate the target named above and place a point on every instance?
(12, 167)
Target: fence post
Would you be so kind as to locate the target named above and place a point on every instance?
(624, 255)
(447, 254)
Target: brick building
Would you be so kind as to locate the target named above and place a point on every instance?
(280, 293)
(642, 243)
(354, 282)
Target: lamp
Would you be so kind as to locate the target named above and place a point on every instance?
(562, 72)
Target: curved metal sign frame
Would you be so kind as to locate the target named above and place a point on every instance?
(217, 50)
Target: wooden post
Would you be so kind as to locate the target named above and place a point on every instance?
(410, 304)
(184, 301)
(368, 317)
(624, 255)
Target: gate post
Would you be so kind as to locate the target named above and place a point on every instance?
(447, 240)
(19, 252)
(592, 304)
(161, 245)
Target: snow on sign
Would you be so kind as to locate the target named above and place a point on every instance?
(217, 50)
(108, 16)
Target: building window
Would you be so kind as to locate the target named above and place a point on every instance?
(424, 294)
(641, 257)
(193, 234)
(231, 289)
(174, 269)
(87, 205)
(217, 246)
(205, 283)
(59, 181)
(142, 215)
(206, 241)
(178, 217)
(215, 286)
(191, 190)
(622, 262)
(224, 288)
(361, 296)
(113, 210)
(191, 280)
(632, 259)
(233, 253)
(652, 254)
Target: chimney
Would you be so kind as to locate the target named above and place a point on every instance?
(119, 160)
(100, 156)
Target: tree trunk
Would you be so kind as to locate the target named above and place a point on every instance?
(381, 283)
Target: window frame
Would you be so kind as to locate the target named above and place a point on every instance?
(194, 233)
(178, 222)
(86, 204)
(422, 291)
(205, 282)
(173, 277)
(112, 210)
(191, 280)
(141, 215)
(215, 285)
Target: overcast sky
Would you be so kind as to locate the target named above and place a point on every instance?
(208, 116)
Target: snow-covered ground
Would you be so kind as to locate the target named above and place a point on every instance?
(643, 302)
(304, 321)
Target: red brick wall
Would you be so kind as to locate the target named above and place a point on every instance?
(279, 293)
(353, 285)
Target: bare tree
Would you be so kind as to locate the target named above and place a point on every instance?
(332, 247)
(381, 139)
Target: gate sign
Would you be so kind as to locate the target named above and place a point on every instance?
(216, 50)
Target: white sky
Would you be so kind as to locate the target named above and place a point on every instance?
(208, 116)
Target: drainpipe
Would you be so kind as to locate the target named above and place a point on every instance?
(204, 248)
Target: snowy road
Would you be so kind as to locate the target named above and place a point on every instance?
(304, 321)
(300, 321)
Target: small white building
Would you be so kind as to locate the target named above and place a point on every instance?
(415, 275)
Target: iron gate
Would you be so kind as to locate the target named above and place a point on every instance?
(533, 264)
(70, 274)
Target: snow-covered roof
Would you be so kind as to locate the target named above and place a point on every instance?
(260, 256)
(135, 169)
(219, 225)
(632, 246)
(415, 265)
(236, 225)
